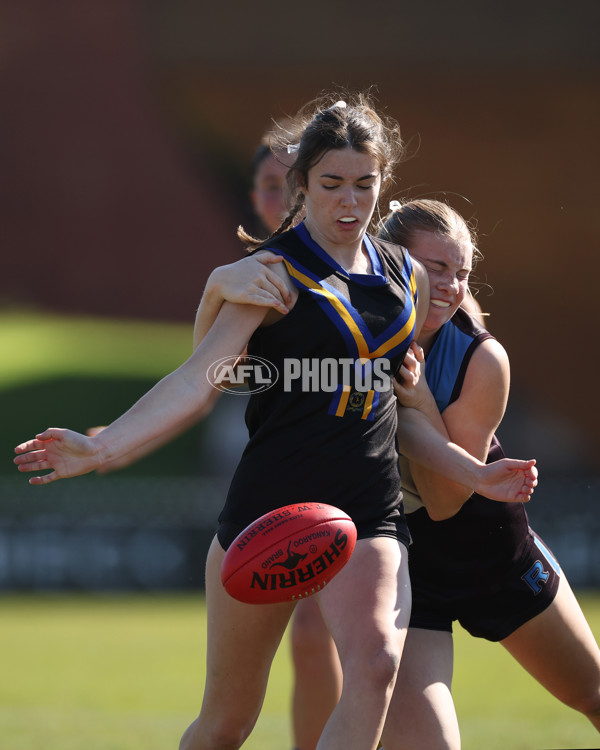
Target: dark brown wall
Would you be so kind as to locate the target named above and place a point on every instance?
(100, 210)
(125, 128)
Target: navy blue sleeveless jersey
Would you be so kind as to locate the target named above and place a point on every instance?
(495, 530)
(484, 567)
(326, 430)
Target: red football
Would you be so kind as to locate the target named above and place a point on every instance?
(288, 554)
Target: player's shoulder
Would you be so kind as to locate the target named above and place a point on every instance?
(489, 359)
(398, 258)
(391, 249)
(284, 242)
(486, 357)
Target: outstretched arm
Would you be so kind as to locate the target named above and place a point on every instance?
(184, 393)
(249, 281)
(125, 460)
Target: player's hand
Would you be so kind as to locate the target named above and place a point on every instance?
(67, 453)
(508, 480)
(251, 281)
(410, 385)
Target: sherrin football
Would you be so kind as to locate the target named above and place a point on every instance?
(288, 554)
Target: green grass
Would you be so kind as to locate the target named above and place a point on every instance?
(40, 346)
(111, 673)
(501, 707)
(125, 673)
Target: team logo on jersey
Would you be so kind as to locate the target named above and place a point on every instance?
(356, 401)
(229, 373)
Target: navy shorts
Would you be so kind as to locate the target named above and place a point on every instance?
(489, 601)
(392, 525)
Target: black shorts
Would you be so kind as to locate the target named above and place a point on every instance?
(492, 605)
(393, 525)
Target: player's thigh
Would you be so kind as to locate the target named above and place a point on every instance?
(558, 648)
(422, 713)
(241, 640)
(367, 604)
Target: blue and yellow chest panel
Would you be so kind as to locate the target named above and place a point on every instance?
(365, 323)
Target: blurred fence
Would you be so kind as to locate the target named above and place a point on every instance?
(96, 533)
(565, 512)
(107, 533)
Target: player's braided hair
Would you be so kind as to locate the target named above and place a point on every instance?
(331, 122)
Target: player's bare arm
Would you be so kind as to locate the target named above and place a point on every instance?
(509, 480)
(183, 393)
(259, 279)
(470, 422)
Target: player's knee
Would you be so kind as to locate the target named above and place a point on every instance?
(227, 739)
(220, 735)
(381, 663)
(588, 704)
(385, 666)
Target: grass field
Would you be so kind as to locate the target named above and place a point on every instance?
(126, 673)
(42, 345)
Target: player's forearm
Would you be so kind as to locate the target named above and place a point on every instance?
(422, 443)
(429, 408)
(183, 395)
(163, 411)
(142, 451)
(441, 496)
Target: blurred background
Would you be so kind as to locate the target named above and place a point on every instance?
(127, 128)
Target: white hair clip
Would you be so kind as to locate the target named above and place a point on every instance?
(395, 205)
(341, 104)
(292, 148)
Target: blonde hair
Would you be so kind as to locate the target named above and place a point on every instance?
(428, 215)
